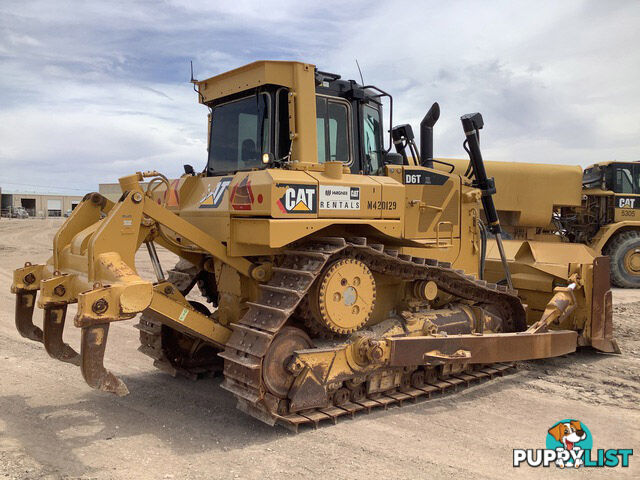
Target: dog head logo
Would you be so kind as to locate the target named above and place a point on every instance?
(572, 436)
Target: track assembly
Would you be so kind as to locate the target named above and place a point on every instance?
(258, 367)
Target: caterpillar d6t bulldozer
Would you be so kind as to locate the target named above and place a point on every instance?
(340, 276)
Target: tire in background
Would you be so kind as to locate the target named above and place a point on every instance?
(624, 250)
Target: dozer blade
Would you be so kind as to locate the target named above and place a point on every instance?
(94, 341)
(602, 308)
(54, 318)
(538, 267)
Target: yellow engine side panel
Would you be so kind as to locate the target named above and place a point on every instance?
(432, 203)
(261, 212)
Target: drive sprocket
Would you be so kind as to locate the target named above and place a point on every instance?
(344, 296)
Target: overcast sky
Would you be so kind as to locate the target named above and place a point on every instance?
(93, 90)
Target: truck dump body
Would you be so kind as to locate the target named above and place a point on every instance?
(527, 194)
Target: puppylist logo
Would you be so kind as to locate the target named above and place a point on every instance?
(570, 445)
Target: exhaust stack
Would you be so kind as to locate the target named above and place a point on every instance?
(426, 135)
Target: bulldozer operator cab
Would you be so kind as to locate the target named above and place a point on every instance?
(250, 130)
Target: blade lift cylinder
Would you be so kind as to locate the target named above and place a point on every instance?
(472, 123)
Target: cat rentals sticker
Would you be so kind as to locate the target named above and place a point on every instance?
(335, 197)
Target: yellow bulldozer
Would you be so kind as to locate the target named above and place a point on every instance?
(340, 276)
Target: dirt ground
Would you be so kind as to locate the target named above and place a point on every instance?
(52, 425)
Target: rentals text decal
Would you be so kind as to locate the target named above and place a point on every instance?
(570, 444)
(298, 199)
(334, 197)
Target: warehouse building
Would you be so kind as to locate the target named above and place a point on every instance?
(110, 190)
(37, 204)
(113, 191)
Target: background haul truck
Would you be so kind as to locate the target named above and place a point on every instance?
(599, 207)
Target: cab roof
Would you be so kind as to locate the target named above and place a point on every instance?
(610, 162)
(253, 75)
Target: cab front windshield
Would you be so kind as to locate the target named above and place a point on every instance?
(239, 134)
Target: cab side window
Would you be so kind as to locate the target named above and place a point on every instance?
(332, 128)
(372, 134)
(624, 182)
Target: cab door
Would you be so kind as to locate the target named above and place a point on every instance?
(351, 194)
(626, 185)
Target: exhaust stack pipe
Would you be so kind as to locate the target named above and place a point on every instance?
(426, 135)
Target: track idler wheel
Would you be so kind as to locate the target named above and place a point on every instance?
(277, 378)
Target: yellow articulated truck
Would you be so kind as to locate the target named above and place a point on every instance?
(339, 276)
(599, 207)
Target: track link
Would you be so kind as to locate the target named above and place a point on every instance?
(290, 283)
